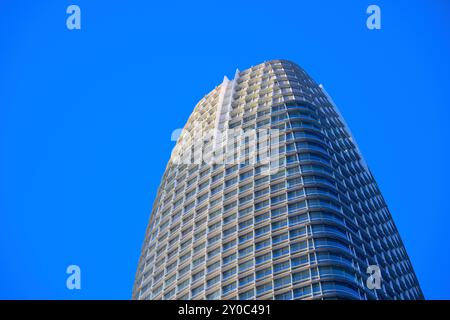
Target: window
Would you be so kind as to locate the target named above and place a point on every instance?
(229, 218)
(262, 192)
(217, 177)
(300, 276)
(202, 198)
(213, 253)
(189, 207)
(326, 242)
(279, 174)
(299, 261)
(214, 239)
(261, 205)
(230, 206)
(229, 245)
(328, 229)
(321, 191)
(263, 180)
(291, 159)
(247, 294)
(245, 199)
(310, 146)
(183, 271)
(280, 238)
(284, 296)
(298, 219)
(246, 237)
(203, 186)
(245, 187)
(299, 232)
(229, 259)
(278, 199)
(198, 248)
(302, 292)
(278, 212)
(229, 273)
(214, 296)
(264, 272)
(228, 288)
(313, 203)
(245, 224)
(245, 251)
(314, 157)
(230, 182)
(262, 123)
(337, 286)
(214, 266)
(262, 230)
(216, 190)
(280, 252)
(277, 186)
(229, 194)
(293, 170)
(324, 256)
(184, 257)
(204, 173)
(294, 182)
(281, 266)
(214, 226)
(246, 265)
(197, 276)
(279, 224)
(190, 194)
(264, 288)
(322, 215)
(299, 246)
(170, 280)
(263, 258)
(230, 170)
(169, 294)
(261, 217)
(246, 280)
(197, 290)
(262, 244)
(214, 214)
(299, 205)
(213, 281)
(229, 231)
(333, 271)
(246, 175)
(183, 284)
(199, 234)
(296, 194)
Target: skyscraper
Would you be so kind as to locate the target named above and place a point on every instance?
(266, 196)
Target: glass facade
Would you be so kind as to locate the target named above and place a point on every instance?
(240, 230)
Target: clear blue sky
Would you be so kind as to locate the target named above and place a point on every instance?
(86, 118)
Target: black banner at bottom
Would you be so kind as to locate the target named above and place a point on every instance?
(227, 309)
